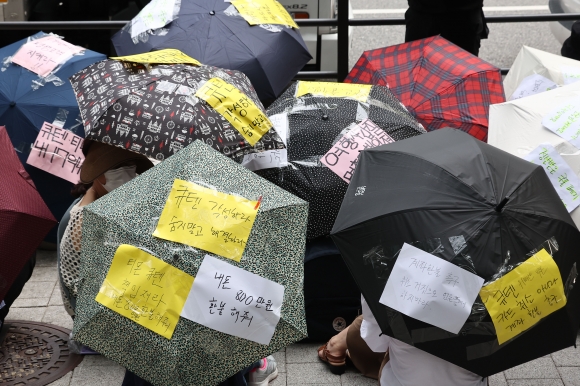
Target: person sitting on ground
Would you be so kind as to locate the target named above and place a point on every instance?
(389, 360)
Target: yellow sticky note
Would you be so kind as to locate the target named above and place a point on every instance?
(168, 56)
(204, 218)
(523, 296)
(264, 12)
(236, 108)
(356, 91)
(145, 289)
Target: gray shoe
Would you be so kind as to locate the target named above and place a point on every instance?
(262, 375)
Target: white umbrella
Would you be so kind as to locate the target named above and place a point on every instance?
(530, 61)
(516, 127)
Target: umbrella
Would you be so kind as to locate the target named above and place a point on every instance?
(470, 204)
(516, 127)
(315, 123)
(155, 112)
(25, 105)
(539, 66)
(213, 33)
(24, 216)
(195, 354)
(441, 84)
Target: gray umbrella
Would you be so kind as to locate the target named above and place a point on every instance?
(128, 215)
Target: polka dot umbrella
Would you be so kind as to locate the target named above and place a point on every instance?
(315, 122)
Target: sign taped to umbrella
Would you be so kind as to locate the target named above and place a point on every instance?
(565, 121)
(58, 152)
(156, 14)
(145, 289)
(532, 85)
(236, 107)
(360, 92)
(234, 301)
(42, 56)
(521, 298)
(561, 175)
(167, 56)
(264, 12)
(204, 218)
(342, 158)
(431, 289)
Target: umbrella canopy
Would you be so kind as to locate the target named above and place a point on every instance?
(469, 204)
(441, 84)
(24, 108)
(516, 127)
(270, 56)
(154, 112)
(24, 216)
(195, 355)
(537, 64)
(315, 124)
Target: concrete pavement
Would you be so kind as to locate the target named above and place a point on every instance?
(298, 364)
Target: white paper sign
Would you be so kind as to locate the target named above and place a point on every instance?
(234, 301)
(266, 159)
(156, 14)
(431, 289)
(561, 175)
(280, 122)
(533, 84)
(570, 74)
(565, 121)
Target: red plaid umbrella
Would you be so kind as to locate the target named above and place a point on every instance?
(440, 83)
(24, 217)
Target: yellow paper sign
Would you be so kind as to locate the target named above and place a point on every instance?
(522, 297)
(168, 56)
(145, 289)
(236, 108)
(264, 12)
(204, 218)
(356, 91)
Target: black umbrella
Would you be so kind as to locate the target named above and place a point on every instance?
(270, 56)
(473, 205)
(314, 125)
(155, 113)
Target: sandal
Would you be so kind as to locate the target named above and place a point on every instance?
(337, 364)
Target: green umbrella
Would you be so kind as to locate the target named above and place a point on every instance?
(195, 354)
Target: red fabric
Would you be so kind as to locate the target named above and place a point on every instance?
(24, 217)
(440, 83)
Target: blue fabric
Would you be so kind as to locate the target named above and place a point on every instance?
(24, 110)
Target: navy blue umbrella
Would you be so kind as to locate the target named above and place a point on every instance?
(203, 31)
(24, 108)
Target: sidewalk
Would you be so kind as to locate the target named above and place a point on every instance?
(298, 364)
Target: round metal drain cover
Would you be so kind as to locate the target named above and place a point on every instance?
(34, 354)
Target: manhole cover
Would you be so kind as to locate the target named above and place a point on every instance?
(34, 354)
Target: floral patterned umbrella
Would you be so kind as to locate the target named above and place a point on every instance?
(155, 113)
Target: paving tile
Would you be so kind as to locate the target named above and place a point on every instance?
(279, 381)
(357, 379)
(310, 374)
(58, 316)
(280, 358)
(98, 376)
(538, 368)
(96, 360)
(570, 375)
(33, 314)
(30, 302)
(535, 382)
(56, 297)
(497, 380)
(34, 289)
(45, 258)
(568, 357)
(64, 381)
(44, 274)
(302, 353)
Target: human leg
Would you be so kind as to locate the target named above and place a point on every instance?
(365, 360)
(334, 352)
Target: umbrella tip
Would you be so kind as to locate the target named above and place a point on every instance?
(499, 208)
(325, 117)
(212, 13)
